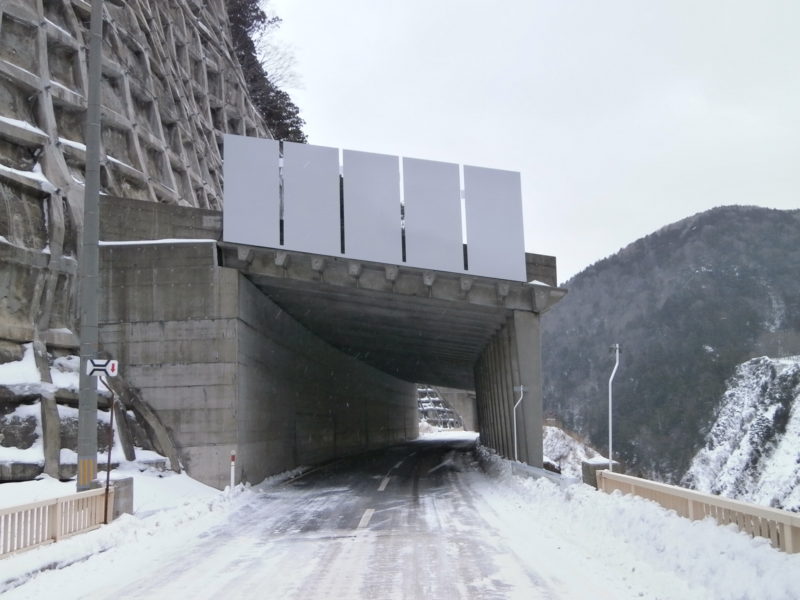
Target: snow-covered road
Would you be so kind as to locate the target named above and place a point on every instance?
(423, 521)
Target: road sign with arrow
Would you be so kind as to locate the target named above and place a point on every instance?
(98, 367)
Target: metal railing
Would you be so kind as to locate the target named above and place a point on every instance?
(30, 525)
(780, 527)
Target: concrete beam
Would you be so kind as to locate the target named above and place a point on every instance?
(404, 281)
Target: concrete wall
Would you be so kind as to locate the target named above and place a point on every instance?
(464, 403)
(301, 401)
(227, 369)
(511, 359)
(171, 87)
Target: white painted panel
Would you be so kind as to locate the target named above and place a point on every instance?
(494, 223)
(311, 221)
(372, 207)
(251, 209)
(432, 215)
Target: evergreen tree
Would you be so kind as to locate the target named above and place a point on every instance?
(281, 115)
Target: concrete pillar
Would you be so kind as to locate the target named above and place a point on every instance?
(529, 358)
(509, 397)
(497, 398)
(51, 430)
(495, 394)
(480, 400)
(512, 358)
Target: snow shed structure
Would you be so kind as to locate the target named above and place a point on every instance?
(277, 342)
(294, 358)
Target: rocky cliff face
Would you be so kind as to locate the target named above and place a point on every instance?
(751, 452)
(171, 87)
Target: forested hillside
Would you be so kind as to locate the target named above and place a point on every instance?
(688, 303)
(249, 21)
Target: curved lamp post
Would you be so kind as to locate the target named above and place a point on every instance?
(616, 349)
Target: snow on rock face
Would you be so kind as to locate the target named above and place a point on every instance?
(752, 452)
(566, 451)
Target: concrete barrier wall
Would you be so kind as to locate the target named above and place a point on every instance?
(301, 401)
(226, 369)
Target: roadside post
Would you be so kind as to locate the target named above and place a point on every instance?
(103, 369)
(233, 470)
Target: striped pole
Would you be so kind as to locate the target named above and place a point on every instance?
(233, 469)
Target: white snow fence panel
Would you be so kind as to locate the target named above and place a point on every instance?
(373, 207)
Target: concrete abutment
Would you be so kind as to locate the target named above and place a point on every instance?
(291, 359)
(227, 369)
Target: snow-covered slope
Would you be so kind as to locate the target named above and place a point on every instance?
(752, 452)
(566, 451)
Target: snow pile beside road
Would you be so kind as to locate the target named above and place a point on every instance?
(165, 504)
(638, 540)
(169, 510)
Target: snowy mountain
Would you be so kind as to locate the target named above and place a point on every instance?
(752, 452)
(688, 303)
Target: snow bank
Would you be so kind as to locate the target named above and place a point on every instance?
(164, 504)
(642, 542)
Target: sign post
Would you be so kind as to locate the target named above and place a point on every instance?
(109, 366)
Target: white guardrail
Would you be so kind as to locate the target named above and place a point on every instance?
(780, 527)
(30, 525)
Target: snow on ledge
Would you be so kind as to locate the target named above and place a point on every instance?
(35, 177)
(155, 242)
(598, 460)
(23, 125)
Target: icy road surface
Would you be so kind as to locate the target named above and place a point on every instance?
(422, 521)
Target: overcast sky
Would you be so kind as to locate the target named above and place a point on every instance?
(622, 116)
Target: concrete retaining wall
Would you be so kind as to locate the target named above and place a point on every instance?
(225, 368)
(464, 403)
(171, 87)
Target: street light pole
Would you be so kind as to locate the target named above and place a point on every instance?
(616, 349)
(89, 260)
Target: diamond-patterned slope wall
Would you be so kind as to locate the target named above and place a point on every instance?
(171, 87)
